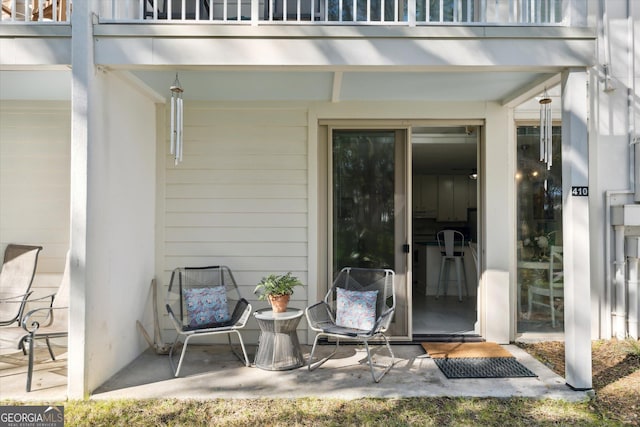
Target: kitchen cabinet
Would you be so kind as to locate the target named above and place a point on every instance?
(453, 197)
(425, 196)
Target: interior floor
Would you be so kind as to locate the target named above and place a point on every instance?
(443, 316)
(448, 316)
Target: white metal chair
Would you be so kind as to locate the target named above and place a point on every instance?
(359, 306)
(553, 289)
(205, 301)
(451, 244)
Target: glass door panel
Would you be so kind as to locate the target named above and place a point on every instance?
(539, 301)
(368, 199)
(363, 189)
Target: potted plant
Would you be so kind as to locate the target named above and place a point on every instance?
(277, 290)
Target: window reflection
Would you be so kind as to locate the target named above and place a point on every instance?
(539, 233)
(363, 199)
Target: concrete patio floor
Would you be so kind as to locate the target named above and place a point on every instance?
(214, 372)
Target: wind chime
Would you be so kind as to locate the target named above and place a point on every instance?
(177, 116)
(546, 138)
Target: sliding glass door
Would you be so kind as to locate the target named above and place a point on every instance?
(368, 206)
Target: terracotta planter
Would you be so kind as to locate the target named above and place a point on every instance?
(279, 303)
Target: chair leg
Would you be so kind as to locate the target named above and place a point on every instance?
(464, 275)
(244, 351)
(53, 356)
(386, 368)
(447, 273)
(459, 277)
(31, 356)
(21, 345)
(176, 371)
(442, 270)
(313, 366)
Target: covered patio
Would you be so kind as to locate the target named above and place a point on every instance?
(248, 194)
(214, 372)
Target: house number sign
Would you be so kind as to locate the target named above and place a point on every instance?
(579, 191)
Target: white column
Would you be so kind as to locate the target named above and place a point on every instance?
(575, 223)
(82, 75)
(496, 298)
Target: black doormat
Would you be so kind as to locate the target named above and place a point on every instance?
(483, 367)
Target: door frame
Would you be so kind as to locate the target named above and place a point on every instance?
(325, 129)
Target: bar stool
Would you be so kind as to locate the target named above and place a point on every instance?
(451, 244)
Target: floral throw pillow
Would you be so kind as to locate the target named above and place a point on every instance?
(206, 305)
(356, 309)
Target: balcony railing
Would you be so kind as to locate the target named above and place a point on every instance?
(36, 11)
(335, 12)
(316, 12)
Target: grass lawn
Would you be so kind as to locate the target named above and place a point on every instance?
(616, 367)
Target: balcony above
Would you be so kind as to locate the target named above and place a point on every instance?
(308, 12)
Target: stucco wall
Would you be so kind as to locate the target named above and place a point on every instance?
(120, 226)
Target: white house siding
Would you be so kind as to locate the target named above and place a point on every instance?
(239, 198)
(34, 183)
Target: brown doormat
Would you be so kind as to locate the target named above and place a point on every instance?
(452, 350)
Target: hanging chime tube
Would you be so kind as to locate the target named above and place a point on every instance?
(172, 147)
(180, 127)
(549, 137)
(542, 131)
(177, 121)
(546, 138)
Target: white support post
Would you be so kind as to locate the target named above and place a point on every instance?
(83, 77)
(497, 293)
(575, 222)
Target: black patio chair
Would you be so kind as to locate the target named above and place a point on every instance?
(204, 301)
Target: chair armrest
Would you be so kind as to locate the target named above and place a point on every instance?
(42, 298)
(383, 322)
(241, 313)
(176, 323)
(15, 298)
(20, 302)
(40, 302)
(319, 313)
(32, 326)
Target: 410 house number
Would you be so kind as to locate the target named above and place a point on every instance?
(580, 191)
